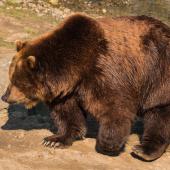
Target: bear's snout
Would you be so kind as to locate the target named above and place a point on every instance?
(4, 97)
(8, 96)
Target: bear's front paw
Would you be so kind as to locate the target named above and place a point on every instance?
(108, 148)
(56, 141)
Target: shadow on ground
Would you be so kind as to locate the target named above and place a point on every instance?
(38, 118)
(20, 118)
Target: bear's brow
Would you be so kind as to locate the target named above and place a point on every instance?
(14, 61)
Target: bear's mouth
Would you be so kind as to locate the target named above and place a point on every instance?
(30, 104)
(26, 102)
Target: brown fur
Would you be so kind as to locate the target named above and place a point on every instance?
(114, 69)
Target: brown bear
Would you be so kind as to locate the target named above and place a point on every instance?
(113, 68)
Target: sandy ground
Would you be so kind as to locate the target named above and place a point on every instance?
(22, 131)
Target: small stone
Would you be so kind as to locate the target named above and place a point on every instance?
(89, 4)
(18, 8)
(104, 11)
(9, 146)
(21, 135)
(31, 5)
(66, 10)
(54, 2)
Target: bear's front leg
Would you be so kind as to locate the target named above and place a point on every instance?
(70, 123)
(113, 134)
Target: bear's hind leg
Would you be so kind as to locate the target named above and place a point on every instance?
(70, 123)
(156, 135)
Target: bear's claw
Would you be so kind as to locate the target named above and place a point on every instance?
(55, 142)
(51, 144)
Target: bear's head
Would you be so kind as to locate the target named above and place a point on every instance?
(52, 65)
(23, 87)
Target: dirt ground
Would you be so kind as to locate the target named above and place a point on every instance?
(22, 131)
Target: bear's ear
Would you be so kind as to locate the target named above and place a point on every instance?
(19, 44)
(31, 61)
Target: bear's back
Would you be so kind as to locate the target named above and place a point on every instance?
(138, 57)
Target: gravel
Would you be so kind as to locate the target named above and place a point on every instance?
(41, 7)
(62, 8)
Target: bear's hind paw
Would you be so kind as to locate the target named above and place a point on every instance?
(138, 152)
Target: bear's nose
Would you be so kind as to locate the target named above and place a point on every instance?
(4, 98)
